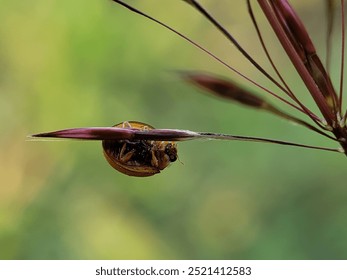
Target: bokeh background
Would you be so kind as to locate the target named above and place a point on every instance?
(92, 63)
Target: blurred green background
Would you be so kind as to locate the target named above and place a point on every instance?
(92, 63)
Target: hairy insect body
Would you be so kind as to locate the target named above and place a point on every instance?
(140, 158)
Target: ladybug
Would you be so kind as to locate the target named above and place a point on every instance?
(140, 158)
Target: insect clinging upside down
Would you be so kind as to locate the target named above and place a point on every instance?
(140, 158)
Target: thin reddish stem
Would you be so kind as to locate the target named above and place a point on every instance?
(330, 19)
(342, 54)
(260, 37)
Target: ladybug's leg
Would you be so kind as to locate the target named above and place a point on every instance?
(126, 125)
(145, 128)
(124, 158)
(154, 160)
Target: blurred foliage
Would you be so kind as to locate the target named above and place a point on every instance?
(91, 63)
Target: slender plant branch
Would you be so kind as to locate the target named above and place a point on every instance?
(116, 133)
(342, 66)
(330, 18)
